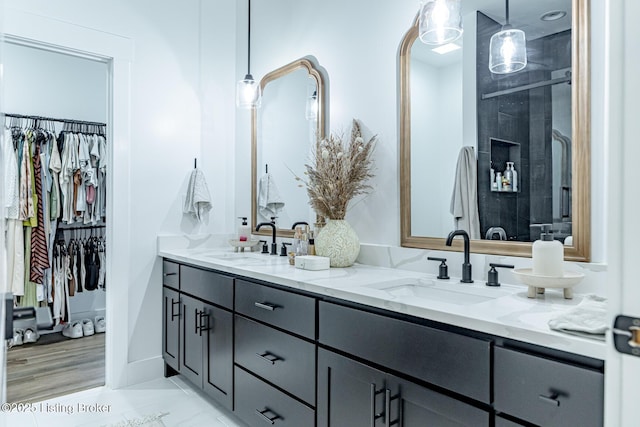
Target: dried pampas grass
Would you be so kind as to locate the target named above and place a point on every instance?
(339, 172)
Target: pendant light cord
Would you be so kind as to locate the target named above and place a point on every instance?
(506, 9)
(249, 39)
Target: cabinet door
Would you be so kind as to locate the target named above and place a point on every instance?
(191, 346)
(171, 327)
(218, 357)
(350, 394)
(412, 405)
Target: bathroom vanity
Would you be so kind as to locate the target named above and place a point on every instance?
(345, 347)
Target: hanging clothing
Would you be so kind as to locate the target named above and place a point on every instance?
(464, 199)
(27, 209)
(15, 257)
(11, 178)
(39, 260)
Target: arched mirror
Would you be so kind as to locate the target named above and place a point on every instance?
(284, 131)
(461, 124)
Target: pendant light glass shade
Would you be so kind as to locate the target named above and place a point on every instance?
(440, 22)
(507, 51)
(248, 93)
(507, 48)
(311, 111)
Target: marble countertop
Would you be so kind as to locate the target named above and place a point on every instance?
(504, 311)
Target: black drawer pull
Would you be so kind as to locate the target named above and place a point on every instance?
(552, 400)
(203, 328)
(173, 303)
(265, 418)
(269, 357)
(169, 274)
(387, 408)
(375, 416)
(265, 306)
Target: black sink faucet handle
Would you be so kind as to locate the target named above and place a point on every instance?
(443, 269)
(265, 247)
(283, 249)
(492, 275)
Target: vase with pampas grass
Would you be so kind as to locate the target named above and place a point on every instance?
(338, 172)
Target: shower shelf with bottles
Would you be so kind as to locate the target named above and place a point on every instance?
(505, 159)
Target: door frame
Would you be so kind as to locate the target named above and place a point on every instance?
(116, 51)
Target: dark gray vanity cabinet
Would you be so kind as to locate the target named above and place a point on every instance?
(275, 356)
(198, 328)
(351, 393)
(546, 391)
(354, 394)
(171, 327)
(171, 314)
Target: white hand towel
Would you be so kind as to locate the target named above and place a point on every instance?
(464, 199)
(269, 200)
(198, 201)
(587, 319)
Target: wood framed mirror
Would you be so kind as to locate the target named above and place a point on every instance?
(283, 132)
(538, 118)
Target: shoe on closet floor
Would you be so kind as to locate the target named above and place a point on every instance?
(87, 327)
(18, 337)
(100, 325)
(30, 335)
(72, 330)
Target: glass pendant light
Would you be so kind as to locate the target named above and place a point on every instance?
(507, 49)
(440, 22)
(311, 110)
(248, 92)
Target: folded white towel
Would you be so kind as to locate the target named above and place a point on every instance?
(198, 201)
(269, 200)
(587, 319)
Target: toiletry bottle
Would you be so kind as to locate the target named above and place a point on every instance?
(311, 248)
(493, 175)
(244, 231)
(499, 181)
(508, 176)
(514, 179)
(547, 254)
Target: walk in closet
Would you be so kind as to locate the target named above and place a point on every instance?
(55, 166)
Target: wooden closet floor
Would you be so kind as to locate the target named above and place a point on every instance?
(38, 372)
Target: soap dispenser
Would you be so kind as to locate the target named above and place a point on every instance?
(547, 254)
(244, 231)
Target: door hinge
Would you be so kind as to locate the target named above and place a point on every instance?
(626, 335)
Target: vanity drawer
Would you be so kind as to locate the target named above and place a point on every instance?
(547, 392)
(207, 285)
(171, 274)
(259, 404)
(446, 359)
(286, 310)
(278, 357)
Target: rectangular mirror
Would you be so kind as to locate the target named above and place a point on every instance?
(531, 125)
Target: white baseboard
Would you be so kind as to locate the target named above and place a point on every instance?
(145, 370)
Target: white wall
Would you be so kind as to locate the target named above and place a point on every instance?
(178, 74)
(358, 45)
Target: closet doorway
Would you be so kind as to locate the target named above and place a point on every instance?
(54, 93)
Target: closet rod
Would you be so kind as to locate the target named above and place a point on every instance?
(81, 227)
(51, 119)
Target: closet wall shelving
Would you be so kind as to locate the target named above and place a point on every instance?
(82, 228)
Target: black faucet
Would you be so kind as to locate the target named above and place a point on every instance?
(272, 224)
(293, 227)
(466, 266)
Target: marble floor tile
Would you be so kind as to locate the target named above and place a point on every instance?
(172, 401)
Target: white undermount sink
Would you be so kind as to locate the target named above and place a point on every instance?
(442, 291)
(245, 258)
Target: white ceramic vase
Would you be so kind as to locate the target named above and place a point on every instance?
(338, 241)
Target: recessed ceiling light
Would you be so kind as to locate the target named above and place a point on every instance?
(553, 15)
(446, 48)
